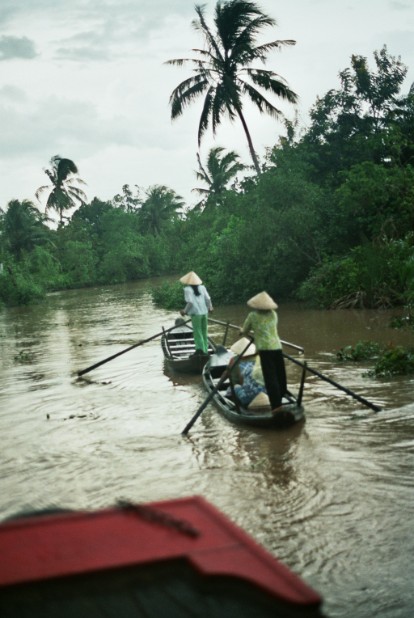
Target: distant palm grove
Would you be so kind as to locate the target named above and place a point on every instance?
(327, 217)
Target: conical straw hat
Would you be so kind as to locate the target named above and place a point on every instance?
(262, 301)
(240, 345)
(191, 278)
(260, 401)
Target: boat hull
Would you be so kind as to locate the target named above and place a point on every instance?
(180, 558)
(291, 413)
(179, 351)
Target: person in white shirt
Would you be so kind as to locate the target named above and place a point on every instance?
(198, 305)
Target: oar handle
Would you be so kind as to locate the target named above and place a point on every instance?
(106, 360)
(373, 406)
(131, 347)
(205, 404)
(290, 345)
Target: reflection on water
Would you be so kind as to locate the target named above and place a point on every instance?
(332, 497)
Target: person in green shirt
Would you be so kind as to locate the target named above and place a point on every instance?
(263, 322)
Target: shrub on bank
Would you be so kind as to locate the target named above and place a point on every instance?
(363, 350)
(373, 275)
(168, 296)
(18, 288)
(390, 360)
(394, 361)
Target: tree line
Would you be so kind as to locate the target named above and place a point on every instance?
(327, 217)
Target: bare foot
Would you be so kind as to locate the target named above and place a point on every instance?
(276, 410)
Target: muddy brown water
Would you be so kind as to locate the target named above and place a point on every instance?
(332, 498)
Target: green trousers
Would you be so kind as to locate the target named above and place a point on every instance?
(200, 330)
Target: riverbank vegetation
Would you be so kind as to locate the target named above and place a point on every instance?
(389, 360)
(328, 218)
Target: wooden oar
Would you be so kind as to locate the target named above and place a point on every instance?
(214, 391)
(290, 345)
(373, 406)
(131, 347)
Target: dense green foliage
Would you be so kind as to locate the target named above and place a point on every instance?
(329, 220)
(362, 350)
(169, 295)
(101, 243)
(388, 360)
(397, 360)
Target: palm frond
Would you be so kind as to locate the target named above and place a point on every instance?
(237, 19)
(185, 93)
(243, 43)
(261, 51)
(76, 193)
(272, 82)
(58, 200)
(203, 52)
(261, 102)
(186, 85)
(51, 175)
(205, 113)
(201, 25)
(66, 167)
(61, 169)
(40, 190)
(200, 190)
(179, 61)
(231, 164)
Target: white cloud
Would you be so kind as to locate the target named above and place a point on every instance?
(96, 89)
(16, 47)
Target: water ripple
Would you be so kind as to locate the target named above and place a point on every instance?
(332, 498)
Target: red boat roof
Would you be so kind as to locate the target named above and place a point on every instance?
(40, 548)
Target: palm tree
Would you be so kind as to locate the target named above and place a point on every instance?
(222, 70)
(221, 169)
(127, 200)
(24, 227)
(64, 194)
(160, 206)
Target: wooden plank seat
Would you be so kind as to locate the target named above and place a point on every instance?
(180, 351)
(180, 336)
(181, 348)
(184, 351)
(175, 340)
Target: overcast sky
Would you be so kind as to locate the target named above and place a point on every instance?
(87, 80)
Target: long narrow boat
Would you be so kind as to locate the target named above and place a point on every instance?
(179, 350)
(180, 558)
(262, 416)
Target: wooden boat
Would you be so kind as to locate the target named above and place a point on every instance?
(176, 558)
(292, 412)
(179, 349)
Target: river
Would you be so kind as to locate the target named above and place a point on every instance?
(332, 498)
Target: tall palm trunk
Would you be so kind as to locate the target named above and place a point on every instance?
(249, 140)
